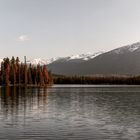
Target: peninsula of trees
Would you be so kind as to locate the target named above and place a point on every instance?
(14, 73)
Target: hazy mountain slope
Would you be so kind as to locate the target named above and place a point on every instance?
(68, 65)
(124, 60)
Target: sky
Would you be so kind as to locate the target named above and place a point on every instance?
(52, 28)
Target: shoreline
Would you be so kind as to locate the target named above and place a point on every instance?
(22, 85)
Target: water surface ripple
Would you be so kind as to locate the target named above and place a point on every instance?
(70, 113)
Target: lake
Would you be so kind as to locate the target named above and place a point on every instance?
(70, 112)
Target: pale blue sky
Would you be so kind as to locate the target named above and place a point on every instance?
(50, 28)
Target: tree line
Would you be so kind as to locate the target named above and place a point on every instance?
(128, 80)
(13, 72)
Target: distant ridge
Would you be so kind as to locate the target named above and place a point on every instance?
(79, 57)
(121, 61)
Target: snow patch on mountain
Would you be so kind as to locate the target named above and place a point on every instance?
(134, 47)
(1, 60)
(37, 61)
(128, 48)
(52, 60)
(85, 57)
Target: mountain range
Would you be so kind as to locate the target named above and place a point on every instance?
(121, 61)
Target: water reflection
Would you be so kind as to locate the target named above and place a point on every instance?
(59, 113)
(17, 103)
(98, 113)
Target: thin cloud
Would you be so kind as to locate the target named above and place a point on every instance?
(23, 38)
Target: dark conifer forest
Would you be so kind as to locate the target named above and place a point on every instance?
(14, 73)
(97, 80)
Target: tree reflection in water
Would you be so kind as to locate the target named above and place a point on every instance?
(16, 102)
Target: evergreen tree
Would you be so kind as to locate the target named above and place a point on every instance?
(17, 70)
(2, 73)
(13, 71)
(6, 71)
(30, 75)
(25, 75)
(45, 75)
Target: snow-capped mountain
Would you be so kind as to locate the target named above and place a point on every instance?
(81, 57)
(123, 60)
(87, 56)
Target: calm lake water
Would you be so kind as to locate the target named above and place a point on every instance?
(70, 113)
